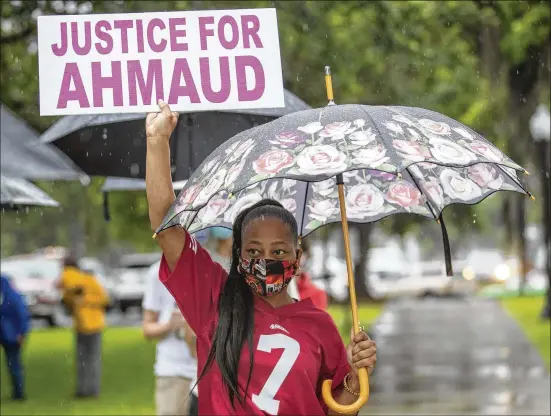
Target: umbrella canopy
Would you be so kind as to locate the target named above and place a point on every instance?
(391, 160)
(24, 156)
(114, 144)
(17, 193)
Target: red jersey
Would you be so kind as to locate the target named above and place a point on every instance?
(296, 346)
(308, 290)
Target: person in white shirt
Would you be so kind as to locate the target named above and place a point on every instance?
(175, 366)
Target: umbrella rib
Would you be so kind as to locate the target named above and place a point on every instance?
(423, 193)
(379, 133)
(513, 179)
(304, 208)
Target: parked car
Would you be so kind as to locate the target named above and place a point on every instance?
(130, 279)
(487, 266)
(34, 275)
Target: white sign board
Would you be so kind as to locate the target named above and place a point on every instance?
(194, 60)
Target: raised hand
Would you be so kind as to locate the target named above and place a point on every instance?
(161, 124)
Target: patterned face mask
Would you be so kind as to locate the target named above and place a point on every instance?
(267, 277)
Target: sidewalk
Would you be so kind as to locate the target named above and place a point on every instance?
(442, 356)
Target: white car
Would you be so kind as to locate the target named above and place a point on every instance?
(34, 276)
(130, 279)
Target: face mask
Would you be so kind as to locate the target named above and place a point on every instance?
(267, 277)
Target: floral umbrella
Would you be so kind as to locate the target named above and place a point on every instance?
(346, 163)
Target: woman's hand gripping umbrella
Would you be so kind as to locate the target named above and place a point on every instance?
(389, 160)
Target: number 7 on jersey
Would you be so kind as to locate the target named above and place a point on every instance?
(291, 350)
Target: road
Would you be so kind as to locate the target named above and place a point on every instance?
(451, 356)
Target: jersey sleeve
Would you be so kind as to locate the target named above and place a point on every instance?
(195, 283)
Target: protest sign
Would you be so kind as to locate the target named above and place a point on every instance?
(193, 60)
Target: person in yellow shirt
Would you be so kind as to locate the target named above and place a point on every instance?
(87, 300)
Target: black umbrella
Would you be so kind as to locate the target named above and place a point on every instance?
(24, 156)
(114, 144)
(113, 184)
(17, 193)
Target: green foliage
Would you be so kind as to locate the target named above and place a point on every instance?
(427, 54)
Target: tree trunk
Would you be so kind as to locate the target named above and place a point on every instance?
(509, 229)
(521, 249)
(543, 150)
(360, 268)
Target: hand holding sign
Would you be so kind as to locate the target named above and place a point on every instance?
(161, 124)
(196, 61)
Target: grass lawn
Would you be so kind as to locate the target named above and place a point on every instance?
(127, 384)
(526, 311)
(367, 313)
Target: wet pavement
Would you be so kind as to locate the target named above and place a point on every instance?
(446, 356)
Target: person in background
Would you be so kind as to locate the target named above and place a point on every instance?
(175, 362)
(14, 326)
(306, 288)
(87, 300)
(219, 245)
(175, 367)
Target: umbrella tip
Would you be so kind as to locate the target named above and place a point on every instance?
(329, 85)
(526, 172)
(154, 236)
(532, 197)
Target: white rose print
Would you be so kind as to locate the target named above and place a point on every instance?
(402, 119)
(370, 157)
(413, 151)
(486, 150)
(213, 185)
(239, 150)
(364, 201)
(464, 133)
(290, 205)
(458, 187)
(273, 161)
(214, 209)
(485, 176)
(321, 160)
(396, 128)
(324, 188)
(335, 130)
(435, 193)
(233, 173)
(239, 205)
(311, 128)
(362, 138)
(359, 123)
(447, 151)
(322, 210)
(435, 127)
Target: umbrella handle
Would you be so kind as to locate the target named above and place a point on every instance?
(362, 372)
(348, 408)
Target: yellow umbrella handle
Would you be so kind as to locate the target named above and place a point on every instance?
(362, 373)
(347, 408)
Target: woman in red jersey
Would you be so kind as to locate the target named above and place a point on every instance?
(259, 351)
